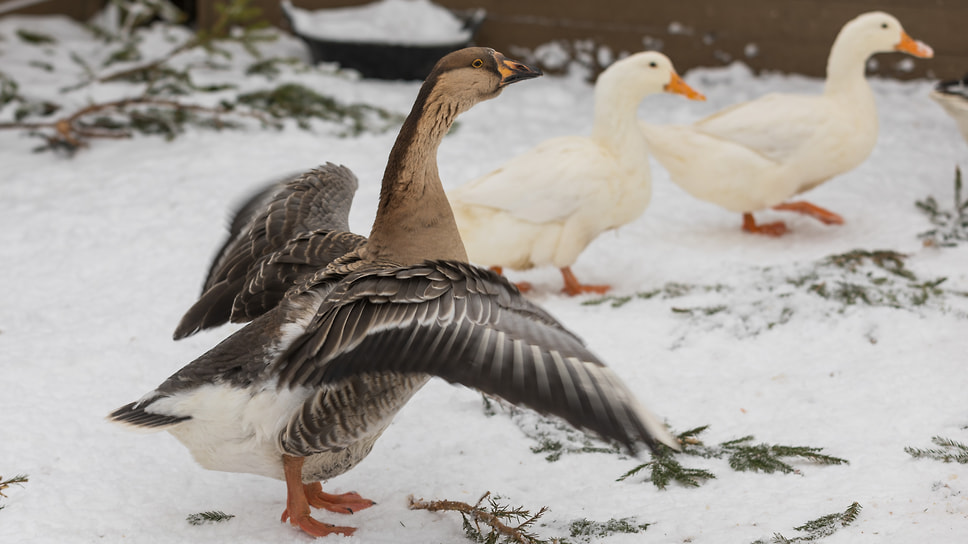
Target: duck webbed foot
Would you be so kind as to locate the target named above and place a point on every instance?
(574, 287)
(344, 503)
(826, 217)
(297, 502)
(777, 228)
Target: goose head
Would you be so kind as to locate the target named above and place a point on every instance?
(474, 74)
(879, 32)
(642, 74)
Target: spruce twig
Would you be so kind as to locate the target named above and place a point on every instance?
(740, 453)
(491, 516)
(819, 528)
(212, 516)
(950, 451)
(71, 132)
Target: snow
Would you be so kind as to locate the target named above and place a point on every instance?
(104, 251)
(401, 22)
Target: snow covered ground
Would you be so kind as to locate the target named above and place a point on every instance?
(103, 252)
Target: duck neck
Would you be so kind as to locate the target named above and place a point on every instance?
(414, 221)
(616, 125)
(846, 66)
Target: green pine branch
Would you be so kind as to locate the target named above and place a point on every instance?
(212, 516)
(950, 451)
(819, 528)
(584, 530)
(741, 454)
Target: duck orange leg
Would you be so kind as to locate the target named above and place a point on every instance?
(574, 287)
(522, 286)
(297, 504)
(777, 228)
(826, 217)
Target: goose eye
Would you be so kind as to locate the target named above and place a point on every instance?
(477, 63)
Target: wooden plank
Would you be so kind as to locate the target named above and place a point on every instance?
(790, 35)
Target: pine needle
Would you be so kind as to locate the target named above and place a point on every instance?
(819, 528)
(741, 454)
(950, 451)
(213, 516)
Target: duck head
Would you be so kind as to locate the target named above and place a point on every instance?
(648, 72)
(879, 32)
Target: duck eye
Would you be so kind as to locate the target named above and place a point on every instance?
(883, 25)
(477, 63)
(653, 64)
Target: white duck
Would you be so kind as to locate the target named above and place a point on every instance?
(545, 206)
(758, 154)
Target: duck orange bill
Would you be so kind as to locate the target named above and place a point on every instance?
(678, 86)
(914, 47)
(512, 70)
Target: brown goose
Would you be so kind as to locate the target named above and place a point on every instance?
(303, 391)
(282, 232)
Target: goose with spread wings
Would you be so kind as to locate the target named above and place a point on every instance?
(303, 391)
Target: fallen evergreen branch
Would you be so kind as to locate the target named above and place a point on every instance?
(294, 101)
(495, 516)
(19, 479)
(951, 226)
(949, 451)
(819, 528)
(162, 116)
(741, 454)
(584, 530)
(213, 516)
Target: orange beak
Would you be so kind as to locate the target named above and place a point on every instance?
(678, 86)
(914, 47)
(512, 70)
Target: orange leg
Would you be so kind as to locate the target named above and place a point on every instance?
(297, 504)
(826, 217)
(777, 228)
(574, 287)
(522, 286)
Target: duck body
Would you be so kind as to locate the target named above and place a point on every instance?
(757, 155)
(550, 224)
(303, 391)
(726, 160)
(544, 207)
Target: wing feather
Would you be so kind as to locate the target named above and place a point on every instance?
(467, 326)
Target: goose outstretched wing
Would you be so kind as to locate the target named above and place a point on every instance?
(469, 326)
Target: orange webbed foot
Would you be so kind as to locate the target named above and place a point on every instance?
(297, 501)
(344, 503)
(573, 287)
(314, 527)
(777, 228)
(826, 217)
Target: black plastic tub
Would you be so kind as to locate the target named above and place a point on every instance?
(389, 61)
